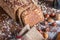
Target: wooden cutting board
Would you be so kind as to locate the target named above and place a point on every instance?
(33, 34)
(11, 6)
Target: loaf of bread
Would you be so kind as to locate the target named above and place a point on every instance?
(32, 17)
